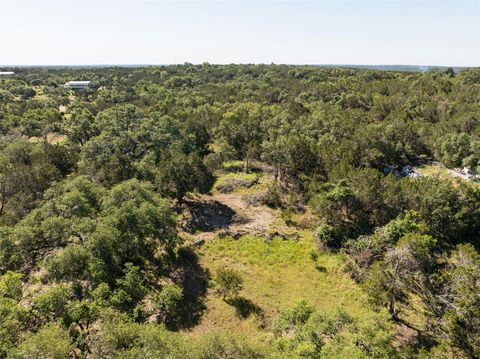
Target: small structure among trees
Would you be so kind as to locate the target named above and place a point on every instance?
(77, 85)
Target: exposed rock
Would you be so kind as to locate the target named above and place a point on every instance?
(240, 219)
(153, 319)
(230, 184)
(284, 236)
(235, 234)
(199, 242)
(256, 199)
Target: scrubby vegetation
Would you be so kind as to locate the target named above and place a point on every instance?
(240, 211)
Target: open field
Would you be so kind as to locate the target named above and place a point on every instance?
(277, 274)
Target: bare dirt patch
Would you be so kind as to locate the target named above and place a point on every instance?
(249, 218)
(227, 214)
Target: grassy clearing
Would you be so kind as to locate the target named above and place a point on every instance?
(442, 172)
(52, 138)
(277, 274)
(233, 166)
(234, 170)
(434, 170)
(222, 177)
(39, 94)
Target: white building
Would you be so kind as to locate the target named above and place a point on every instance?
(6, 73)
(77, 84)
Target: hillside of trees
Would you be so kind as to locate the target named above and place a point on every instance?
(96, 263)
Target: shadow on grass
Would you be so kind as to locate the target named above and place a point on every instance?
(194, 279)
(320, 268)
(245, 307)
(206, 216)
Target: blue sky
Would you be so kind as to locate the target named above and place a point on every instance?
(294, 32)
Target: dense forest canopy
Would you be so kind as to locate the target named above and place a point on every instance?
(94, 263)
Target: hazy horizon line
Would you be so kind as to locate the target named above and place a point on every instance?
(226, 64)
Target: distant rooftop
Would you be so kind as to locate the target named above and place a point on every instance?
(78, 82)
(6, 73)
(77, 85)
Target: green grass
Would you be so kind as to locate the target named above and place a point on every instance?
(442, 172)
(233, 166)
(222, 176)
(40, 96)
(277, 274)
(434, 170)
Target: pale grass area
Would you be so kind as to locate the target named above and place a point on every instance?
(439, 170)
(234, 170)
(222, 177)
(40, 96)
(434, 170)
(52, 138)
(277, 274)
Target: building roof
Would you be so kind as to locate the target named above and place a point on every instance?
(78, 82)
(6, 72)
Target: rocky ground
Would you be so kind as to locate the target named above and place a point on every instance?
(227, 211)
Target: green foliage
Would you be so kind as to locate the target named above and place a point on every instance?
(72, 263)
(13, 317)
(39, 122)
(229, 282)
(303, 332)
(456, 150)
(79, 126)
(291, 318)
(385, 237)
(179, 174)
(122, 338)
(51, 341)
(142, 220)
(119, 337)
(408, 264)
(226, 346)
(83, 313)
(448, 212)
(11, 285)
(25, 173)
(325, 236)
(9, 255)
(130, 288)
(460, 302)
(52, 304)
(240, 128)
(88, 181)
(370, 338)
(448, 294)
(168, 303)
